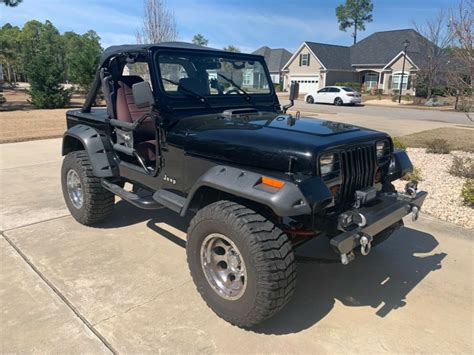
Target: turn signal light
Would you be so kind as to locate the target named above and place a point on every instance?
(335, 190)
(272, 182)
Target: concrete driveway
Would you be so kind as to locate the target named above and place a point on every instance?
(393, 120)
(124, 286)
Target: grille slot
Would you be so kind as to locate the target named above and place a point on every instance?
(358, 167)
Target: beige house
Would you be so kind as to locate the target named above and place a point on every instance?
(376, 62)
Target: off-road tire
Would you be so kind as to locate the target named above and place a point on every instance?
(98, 203)
(266, 251)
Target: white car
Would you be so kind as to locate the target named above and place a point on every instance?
(337, 95)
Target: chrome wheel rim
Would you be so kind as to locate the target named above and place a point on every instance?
(223, 266)
(74, 189)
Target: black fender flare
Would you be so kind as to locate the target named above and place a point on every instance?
(400, 165)
(285, 202)
(101, 155)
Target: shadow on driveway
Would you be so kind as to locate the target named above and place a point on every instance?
(381, 280)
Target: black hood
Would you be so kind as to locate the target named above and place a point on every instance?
(268, 141)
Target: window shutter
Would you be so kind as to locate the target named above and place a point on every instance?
(301, 58)
(390, 82)
(408, 82)
(309, 56)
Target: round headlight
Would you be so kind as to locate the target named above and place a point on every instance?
(381, 148)
(326, 163)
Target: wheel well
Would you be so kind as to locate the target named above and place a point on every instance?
(206, 195)
(71, 144)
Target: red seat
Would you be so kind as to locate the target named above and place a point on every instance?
(147, 150)
(128, 112)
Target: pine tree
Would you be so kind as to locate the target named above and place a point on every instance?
(45, 68)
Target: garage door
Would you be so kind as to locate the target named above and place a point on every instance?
(307, 83)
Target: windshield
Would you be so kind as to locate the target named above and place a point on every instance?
(202, 75)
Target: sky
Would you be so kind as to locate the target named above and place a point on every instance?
(247, 24)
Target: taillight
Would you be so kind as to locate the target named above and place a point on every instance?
(350, 94)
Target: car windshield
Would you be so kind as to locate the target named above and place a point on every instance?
(207, 74)
(348, 89)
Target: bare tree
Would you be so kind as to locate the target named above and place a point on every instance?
(460, 75)
(434, 70)
(159, 24)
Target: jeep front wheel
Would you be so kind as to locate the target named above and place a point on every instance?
(87, 201)
(242, 264)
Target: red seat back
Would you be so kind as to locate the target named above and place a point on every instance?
(125, 106)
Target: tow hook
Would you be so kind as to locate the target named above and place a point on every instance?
(347, 258)
(365, 241)
(415, 213)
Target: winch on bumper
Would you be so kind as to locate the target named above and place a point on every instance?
(379, 211)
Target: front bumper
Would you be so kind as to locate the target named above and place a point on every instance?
(386, 210)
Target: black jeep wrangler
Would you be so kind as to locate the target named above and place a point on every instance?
(202, 132)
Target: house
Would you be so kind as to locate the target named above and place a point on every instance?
(375, 62)
(275, 59)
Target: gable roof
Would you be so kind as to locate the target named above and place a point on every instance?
(275, 58)
(379, 48)
(331, 56)
(382, 47)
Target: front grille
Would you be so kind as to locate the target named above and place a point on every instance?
(358, 167)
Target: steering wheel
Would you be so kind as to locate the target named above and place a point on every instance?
(233, 91)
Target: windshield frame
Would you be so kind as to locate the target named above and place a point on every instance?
(216, 99)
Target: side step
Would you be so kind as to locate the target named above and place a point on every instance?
(147, 203)
(169, 199)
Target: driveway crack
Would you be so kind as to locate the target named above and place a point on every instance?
(142, 303)
(60, 295)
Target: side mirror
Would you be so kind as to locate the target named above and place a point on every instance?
(294, 91)
(142, 94)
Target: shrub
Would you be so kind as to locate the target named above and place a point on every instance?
(398, 144)
(278, 87)
(438, 146)
(407, 96)
(467, 192)
(2, 99)
(379, 93)
(354, 85)
(462, 167)
(395, 95)
(414, 175)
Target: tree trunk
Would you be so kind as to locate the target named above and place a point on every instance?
(355, 31)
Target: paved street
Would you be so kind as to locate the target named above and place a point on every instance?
(393, 120)
(124, 285)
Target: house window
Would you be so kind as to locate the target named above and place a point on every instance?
(371, 80)
(247, 78)
(396, 80)
(304, 59)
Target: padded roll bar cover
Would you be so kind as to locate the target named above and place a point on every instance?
(100, 153)
(400, 166)
(287, 201)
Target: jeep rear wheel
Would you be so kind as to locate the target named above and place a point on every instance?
(242, 264)
(85, 197)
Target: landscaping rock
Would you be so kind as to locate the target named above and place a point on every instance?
(444, 199)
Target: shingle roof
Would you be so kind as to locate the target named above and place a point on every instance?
(378, 48)
(331, 56)
(275, 58)
(382, 47)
